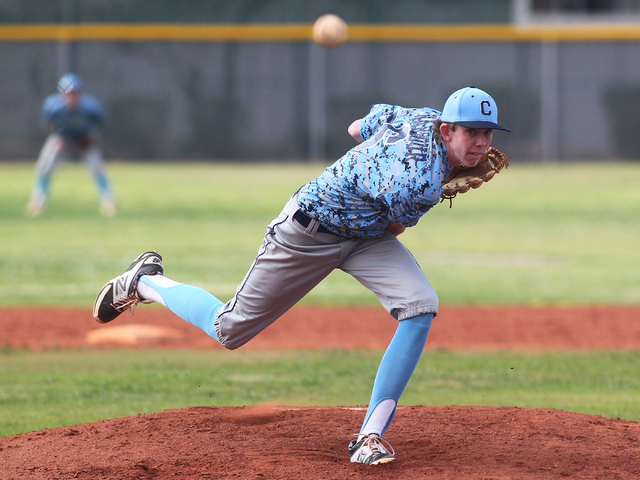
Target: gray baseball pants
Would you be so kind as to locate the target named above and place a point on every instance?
(54, 150)
(294, 259)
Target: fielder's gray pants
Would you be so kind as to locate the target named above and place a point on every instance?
(294, 259)
(54, 150)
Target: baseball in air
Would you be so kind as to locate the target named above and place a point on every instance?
(330, 30)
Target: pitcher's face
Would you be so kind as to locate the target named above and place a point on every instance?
(465, 145)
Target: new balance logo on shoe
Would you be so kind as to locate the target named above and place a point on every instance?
(120, 294)
(121, 286)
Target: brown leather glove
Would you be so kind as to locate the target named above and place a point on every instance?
(460, 180)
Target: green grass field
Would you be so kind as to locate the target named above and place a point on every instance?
(537, 234)
(49, 389)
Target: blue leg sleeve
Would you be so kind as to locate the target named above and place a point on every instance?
(40, 188)
(104, 186)
(193, 304)
(43, 184)
(399, 362)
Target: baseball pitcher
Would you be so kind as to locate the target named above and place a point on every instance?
(348, 218)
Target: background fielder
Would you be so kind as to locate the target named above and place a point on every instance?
(75, 120)
(347, 218)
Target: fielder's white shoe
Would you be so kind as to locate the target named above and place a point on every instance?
(121, 293)
(371, 450)
(35, 208)
(108, 208)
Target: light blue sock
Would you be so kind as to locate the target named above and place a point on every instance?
(43, 184)
(193, 304)
(40, 188)
(399, 362)
(104, 186)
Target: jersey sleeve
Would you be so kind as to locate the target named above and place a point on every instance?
(94, 109)
(377, 116)
(49, 107)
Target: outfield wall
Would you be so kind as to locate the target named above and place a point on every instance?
(267, 92)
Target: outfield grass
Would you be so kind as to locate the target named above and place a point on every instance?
(49, 389)
(537, 234)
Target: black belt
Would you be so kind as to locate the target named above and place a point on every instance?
(304, 220)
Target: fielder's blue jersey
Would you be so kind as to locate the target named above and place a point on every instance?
(73, 124)
(395, 175)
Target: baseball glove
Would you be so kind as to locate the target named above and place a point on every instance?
(85, 142)
(460, 180)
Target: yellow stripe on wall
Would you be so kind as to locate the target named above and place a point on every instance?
(142, 32)
(302, 32)
(493, 33)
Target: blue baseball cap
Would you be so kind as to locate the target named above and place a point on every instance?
(70, 83)
(472, 108)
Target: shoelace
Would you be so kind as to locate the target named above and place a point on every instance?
(374, 443)
(129, 302)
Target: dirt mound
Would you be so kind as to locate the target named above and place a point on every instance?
(274, 442)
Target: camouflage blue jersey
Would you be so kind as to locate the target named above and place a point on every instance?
(73, 124)
(394, 175)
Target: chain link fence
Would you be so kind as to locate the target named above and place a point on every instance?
(293, 100)
(252, 11)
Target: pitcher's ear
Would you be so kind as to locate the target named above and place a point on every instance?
(445, 131)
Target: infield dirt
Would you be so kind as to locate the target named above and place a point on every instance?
(278, 442)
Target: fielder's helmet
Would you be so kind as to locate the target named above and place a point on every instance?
(70, 83)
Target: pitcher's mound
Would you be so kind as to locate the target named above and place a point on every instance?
(265, 442)
(133, 334)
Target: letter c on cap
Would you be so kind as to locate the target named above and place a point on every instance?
(485, 107)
